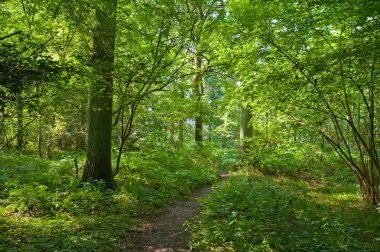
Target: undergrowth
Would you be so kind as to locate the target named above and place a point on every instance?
(274, 206)
(43, 207)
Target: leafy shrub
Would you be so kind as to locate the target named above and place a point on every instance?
(256, 213)
(161, 176)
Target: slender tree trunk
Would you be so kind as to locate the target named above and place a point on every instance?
(245, 127)
(181, 122)
(181, 126)
(80, 139)
(40, 137)
(172, 133)
(39, 140)
(210, 132)
(322, 149)
(39, 125)
(98, 158)
(2, 129)
(20, 126)
(198, 93)
(49, 142)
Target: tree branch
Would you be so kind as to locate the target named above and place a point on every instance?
(10, 35)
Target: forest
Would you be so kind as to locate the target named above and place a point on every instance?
(189, 125)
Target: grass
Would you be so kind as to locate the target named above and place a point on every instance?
(316, 208)
(44, 208)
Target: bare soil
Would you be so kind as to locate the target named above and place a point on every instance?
(164, 230)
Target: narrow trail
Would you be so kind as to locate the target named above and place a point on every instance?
(163, 231)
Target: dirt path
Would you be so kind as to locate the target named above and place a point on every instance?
(163, 231)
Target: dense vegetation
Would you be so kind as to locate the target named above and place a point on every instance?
(43, 207)
(113, 108)
(279, 206)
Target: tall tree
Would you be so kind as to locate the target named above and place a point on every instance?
(98, 157)
(320, 69)
(206, 14)
(198, 90)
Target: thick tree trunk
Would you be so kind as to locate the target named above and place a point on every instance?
(98, 158)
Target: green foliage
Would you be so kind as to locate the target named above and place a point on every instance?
(252, 212)
(290, 158)
(294, 63)
(315, 66)
(163, 175)
(43, 206)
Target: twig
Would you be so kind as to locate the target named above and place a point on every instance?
(76, 168)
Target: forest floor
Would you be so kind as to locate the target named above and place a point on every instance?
(165, 230)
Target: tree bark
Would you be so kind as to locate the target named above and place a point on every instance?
(181, 135)
(20, 126)
(245, 128)
(198, 93)
(98, 157)
(181, 122)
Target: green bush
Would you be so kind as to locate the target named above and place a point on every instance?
(252, 212)
(161, 176)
